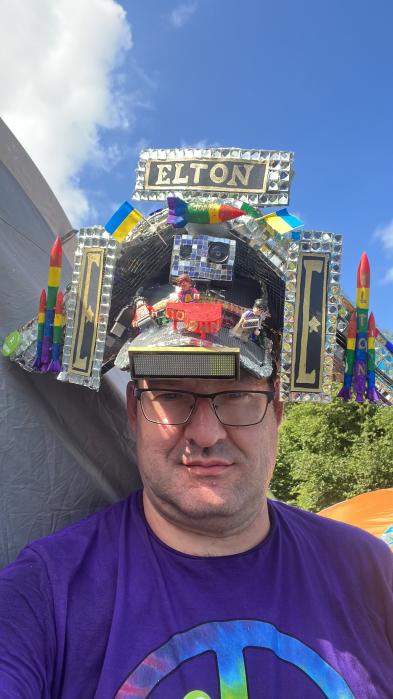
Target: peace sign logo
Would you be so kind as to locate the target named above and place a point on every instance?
(228, 640)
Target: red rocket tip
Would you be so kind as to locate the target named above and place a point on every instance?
(59, 302)
(42, 306)
(371, 329)
(227, 212)
(56, 253)
(352, 326)
(363, 276)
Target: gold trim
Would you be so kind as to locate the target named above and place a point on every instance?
(305, 327)
(203, 188)
(90, 256)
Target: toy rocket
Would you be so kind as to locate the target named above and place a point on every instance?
(360, 353)
(362, 304)
(180, 213)
(55, 364)
(40, 329)
(54, 274)
(372, 395)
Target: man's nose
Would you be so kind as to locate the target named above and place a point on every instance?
(204, 427)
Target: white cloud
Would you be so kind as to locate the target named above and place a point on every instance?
(385, 235)
(182, 14)
(58, 86)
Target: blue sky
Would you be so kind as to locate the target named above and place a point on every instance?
(311, 77)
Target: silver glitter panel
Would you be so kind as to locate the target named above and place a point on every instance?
(256, 360)
(25, 353)
(274, 190)
(318, 242)
(89, 239)
(197, 263)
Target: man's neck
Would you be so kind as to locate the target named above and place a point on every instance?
(202, 543)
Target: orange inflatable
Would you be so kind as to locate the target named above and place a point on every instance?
(370, 511)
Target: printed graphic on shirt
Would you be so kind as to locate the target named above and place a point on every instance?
(228, 640)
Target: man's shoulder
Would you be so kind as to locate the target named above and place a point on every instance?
(329, 535)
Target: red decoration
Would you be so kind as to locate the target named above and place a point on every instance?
(200, 318)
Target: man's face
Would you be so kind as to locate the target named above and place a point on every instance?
(185, 284)
(205, 473)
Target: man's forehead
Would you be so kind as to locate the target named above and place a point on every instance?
(208, 385)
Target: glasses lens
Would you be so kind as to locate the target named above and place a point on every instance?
(243, 408)
(166, 407)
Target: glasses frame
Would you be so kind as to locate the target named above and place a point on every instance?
(139, 391)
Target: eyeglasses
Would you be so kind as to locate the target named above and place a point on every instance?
(232, 408)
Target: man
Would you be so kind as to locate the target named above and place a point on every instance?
(198, 587)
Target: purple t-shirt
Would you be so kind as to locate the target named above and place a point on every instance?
(105, 609)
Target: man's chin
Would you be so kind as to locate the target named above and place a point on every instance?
(207, 501)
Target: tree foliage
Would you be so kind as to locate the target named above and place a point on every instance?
(329, 453)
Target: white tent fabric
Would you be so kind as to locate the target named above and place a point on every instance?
(65, 451)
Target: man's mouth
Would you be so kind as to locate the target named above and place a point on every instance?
(208, 468)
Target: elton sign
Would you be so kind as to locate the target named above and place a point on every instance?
(261, 177)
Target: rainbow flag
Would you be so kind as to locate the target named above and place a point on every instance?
(281, 222)
(123, 221)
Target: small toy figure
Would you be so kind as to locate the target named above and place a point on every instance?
(142, 311)
(251, 322)
(188, 292)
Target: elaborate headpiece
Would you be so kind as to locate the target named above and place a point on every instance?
(124, 306)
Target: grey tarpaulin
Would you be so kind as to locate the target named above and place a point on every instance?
(65, 451)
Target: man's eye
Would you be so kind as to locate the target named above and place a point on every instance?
(235, 396)
(169, 397)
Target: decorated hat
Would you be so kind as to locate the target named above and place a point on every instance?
(263, 294)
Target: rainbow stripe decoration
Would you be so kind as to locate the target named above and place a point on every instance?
(55, 364)
(180, 213)
(360, 353)
(123, 221)
(372, 394)
(40, 329)
(281, 222)
(54, 275)
(362, 307)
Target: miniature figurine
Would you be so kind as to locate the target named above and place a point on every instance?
(142, 311)
(187, 293)
(251, 322)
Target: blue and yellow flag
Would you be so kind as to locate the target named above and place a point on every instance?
(281, 222)
(123, 221)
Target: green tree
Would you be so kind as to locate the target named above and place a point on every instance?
(329, 453)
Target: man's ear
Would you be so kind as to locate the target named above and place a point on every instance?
(278, 404)
(132, 406)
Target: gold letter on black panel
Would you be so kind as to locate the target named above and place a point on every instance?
(310, 319)
(86, 312)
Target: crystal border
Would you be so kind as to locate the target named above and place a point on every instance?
(311, 241)
(279, 174)
(96, 237)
